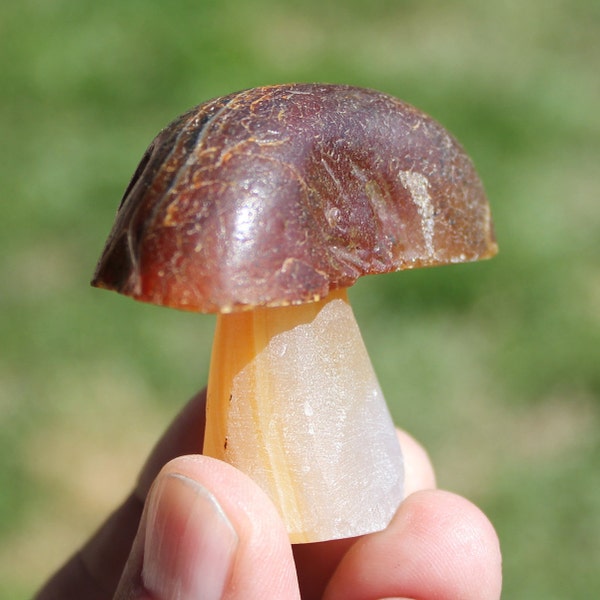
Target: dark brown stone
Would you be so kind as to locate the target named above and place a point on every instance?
(275, 195)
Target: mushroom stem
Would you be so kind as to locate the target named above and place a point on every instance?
(293, 402)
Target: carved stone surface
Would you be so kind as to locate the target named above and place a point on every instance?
(276, 195)
(264, 206)
(294, 403)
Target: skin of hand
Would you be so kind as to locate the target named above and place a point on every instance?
(196, 528)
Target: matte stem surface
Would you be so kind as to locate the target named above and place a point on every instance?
(293, 401)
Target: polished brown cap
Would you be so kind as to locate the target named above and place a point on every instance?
(276, 195)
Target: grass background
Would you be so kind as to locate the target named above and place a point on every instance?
(494, 366)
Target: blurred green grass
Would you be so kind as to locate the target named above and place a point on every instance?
(494, 366)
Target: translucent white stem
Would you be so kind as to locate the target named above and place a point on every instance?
(293, 401)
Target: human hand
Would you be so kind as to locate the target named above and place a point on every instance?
(197, 529)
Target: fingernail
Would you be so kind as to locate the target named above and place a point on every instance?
(190, 543)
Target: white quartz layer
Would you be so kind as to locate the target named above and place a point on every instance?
(323, 421)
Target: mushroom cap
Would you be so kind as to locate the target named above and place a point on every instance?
(277, 195)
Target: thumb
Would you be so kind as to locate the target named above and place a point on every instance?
(205, 533)
(189, 544)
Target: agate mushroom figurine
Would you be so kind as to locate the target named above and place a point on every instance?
(264, 206)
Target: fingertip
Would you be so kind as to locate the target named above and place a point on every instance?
(456, 540)
(418, 470)
(190, 544)
(439, 545)
(263, 563)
